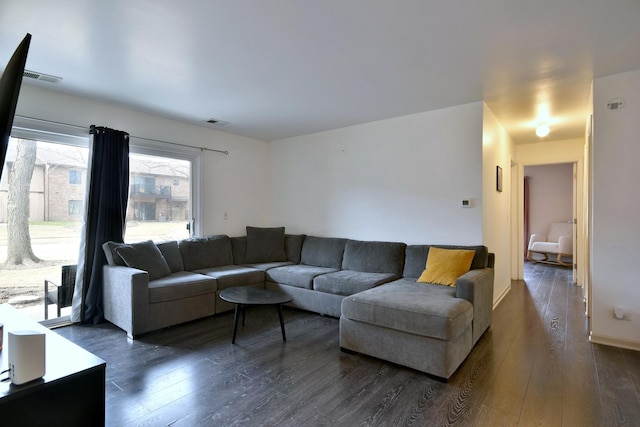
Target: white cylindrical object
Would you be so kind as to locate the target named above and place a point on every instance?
(26, 356)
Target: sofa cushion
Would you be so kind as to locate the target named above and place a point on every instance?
(110, 253)
(374, 257)
(239, 248)
(171, 252)
(177, 286)
(293, 247)
(145, 256)
(347, 282)
(265, 245)
(233, 275)
(264, 266)
(299, 275)
(416, 308)
(444, 266)
(206, 252)
(323, 251)
(416, 258)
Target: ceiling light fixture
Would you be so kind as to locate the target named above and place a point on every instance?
(543, 130)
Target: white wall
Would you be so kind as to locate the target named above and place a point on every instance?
(399, 179)
(550, 195)
(497, 150)
(549, 152)
(237, 183)
(615, 233)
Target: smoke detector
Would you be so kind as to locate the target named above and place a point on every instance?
(41, 76)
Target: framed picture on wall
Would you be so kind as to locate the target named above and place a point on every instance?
(499, 179)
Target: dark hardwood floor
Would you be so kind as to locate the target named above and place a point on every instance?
(534, 367)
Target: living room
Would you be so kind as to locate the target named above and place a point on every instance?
(402, 178)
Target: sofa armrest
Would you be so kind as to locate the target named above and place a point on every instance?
(476, 286)
(565, 245)
(126, 298)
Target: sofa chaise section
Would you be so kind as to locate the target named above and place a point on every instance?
(428, 327)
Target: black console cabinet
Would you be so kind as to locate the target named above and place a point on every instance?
(70, 394)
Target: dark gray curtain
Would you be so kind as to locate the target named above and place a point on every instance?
(108, 189)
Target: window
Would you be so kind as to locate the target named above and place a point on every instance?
(142, 184)
(163, 208)
(160, 195)
(75, 177)
(53, 208)
(75, 207)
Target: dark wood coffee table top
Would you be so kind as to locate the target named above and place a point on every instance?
(248, 295)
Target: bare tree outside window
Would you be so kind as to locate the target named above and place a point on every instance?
(19, 249)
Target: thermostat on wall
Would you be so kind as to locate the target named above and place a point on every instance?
(465, 203)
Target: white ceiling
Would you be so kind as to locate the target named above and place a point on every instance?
(280, 68)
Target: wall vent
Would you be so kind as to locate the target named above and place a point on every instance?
(216, 122)
(41, 76)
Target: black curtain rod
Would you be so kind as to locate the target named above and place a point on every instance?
(181, 145)
(130, 136)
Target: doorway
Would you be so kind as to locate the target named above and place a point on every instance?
(553, 196)
(549, 198)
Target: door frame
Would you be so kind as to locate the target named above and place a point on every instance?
(518, 243)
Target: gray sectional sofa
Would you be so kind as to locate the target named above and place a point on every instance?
(371, 286)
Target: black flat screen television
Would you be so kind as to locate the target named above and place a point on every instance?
(10, 83)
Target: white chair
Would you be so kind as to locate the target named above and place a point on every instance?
(557, 244)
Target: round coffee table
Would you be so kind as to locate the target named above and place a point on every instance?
(246, 296)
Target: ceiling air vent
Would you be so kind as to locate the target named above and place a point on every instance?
(216, 122)
(41, 76)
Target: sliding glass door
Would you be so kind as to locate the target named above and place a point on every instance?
(42, 192)
(42, 198)
(160, 201)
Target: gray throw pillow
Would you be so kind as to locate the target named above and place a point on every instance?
(206, 252)
(171, 252)
(110, 253)
(323, 251)
(145, 256)
(265, 245)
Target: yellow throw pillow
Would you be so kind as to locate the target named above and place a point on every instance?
(444, 266)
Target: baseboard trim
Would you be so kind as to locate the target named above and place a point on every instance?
(501, 297)
(614, 342)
